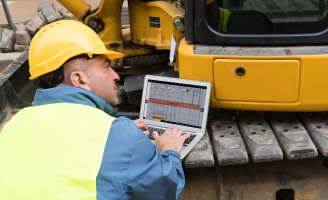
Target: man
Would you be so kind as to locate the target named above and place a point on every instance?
(68, 145)
(219, 19)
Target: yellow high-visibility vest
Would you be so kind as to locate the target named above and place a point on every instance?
(224, 16)
(52, 152)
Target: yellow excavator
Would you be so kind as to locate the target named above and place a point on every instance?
(267, 63)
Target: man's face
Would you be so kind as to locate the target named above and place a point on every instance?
(212, 12)
(102, 79)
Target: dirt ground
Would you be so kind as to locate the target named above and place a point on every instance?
(23, 10)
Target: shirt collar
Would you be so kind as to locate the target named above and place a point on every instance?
(72, 94)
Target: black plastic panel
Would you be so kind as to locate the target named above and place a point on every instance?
(215, 37)
(190, 21)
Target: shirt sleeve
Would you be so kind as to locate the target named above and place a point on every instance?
(153, 174)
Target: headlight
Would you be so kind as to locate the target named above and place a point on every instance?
(178, 24)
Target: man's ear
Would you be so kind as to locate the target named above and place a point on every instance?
(80, 79)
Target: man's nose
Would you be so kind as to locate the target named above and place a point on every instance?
(115, 76)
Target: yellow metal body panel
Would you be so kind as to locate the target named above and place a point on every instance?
(160, 37)
(109, 11)
(313, 78)
(274, 80)
(77, 7)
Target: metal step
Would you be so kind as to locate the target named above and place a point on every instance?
(317, 126)
(292, 136)
(228, 143)
(259, 138)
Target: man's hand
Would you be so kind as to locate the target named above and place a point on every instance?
(142, 125)
(170, 139)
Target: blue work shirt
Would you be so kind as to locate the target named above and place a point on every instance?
(132, 167)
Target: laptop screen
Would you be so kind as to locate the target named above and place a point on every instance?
(175, 103)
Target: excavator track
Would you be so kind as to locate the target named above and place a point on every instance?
(268, 136)
(260, 156)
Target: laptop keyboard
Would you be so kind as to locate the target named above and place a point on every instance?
(160, 131)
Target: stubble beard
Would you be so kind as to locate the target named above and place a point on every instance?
(109, 97)
(113, 97)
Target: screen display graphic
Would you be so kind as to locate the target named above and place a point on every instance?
(175, 103)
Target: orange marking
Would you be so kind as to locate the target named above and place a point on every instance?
(159, 118)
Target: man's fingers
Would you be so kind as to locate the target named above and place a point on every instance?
(167, 130)
(172, 139)
(146, 132)
(175, 129)
(155, 135)
(180, 131)
(141, 124)
(137, 122)
(185, 136)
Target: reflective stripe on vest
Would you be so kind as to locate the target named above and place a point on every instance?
(53, 152)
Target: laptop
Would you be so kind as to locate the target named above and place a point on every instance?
(168, 102)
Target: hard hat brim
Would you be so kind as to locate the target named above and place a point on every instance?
(113, 54)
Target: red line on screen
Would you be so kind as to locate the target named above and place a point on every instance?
(173, 103)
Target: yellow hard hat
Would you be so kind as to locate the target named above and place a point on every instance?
(59, 41)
